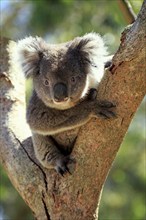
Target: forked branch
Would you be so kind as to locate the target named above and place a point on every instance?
(75, 196)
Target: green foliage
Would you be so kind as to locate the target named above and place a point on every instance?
(13, 205)
(136, 4)
(61, 20)
(58, 21)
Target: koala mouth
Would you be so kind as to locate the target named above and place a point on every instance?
(61, 101)
(63, 104)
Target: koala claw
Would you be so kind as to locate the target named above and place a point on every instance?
(62, 171)
(106, 104)
(105, 113)
(105, 109)
(62, 167)
(92, 94)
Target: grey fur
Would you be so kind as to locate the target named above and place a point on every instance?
(68, 69)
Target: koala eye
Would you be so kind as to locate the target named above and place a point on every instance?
(46, 82)
(73, 80)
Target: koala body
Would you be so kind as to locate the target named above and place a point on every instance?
(65, 79)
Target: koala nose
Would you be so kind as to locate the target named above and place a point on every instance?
(60, 92)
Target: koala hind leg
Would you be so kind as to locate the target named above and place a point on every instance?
(49, 155)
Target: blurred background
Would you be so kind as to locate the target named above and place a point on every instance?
(124, 193)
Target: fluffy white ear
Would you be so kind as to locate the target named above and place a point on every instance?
(91, 46)
(29, 52)
(92, 51)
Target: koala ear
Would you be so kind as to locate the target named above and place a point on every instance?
(90, 47)
(91, 53)
(29, 52)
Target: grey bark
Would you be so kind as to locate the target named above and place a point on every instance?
(76, 196)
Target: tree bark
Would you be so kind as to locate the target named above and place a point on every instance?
(76, 196)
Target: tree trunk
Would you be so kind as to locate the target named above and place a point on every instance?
(76, 196)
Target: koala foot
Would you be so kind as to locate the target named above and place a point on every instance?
(105, 109)
(63, 165)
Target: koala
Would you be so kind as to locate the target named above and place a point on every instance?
(65, 82)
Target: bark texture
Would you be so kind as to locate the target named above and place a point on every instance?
(76, 196)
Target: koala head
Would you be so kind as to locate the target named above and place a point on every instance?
(62, 73)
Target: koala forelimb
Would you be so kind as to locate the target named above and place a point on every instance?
(49, 121)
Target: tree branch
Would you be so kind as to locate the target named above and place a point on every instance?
(127, 11)
(47, 194)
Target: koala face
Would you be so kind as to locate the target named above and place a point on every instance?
(63, 74)
(61, 79)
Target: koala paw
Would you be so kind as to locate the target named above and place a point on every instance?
(105, 109)
(63, 165)
(92, 94)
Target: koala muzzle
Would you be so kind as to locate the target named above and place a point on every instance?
(60, 92)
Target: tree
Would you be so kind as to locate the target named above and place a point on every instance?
(75, 196)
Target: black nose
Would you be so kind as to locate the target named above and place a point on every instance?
(60, 92)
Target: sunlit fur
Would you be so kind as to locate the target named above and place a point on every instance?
(90, 53)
